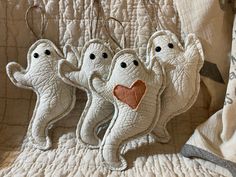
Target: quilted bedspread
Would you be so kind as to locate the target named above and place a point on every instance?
(68, 24)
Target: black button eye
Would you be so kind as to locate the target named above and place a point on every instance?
(92, 56)
(170, 45)
(158, 49)
(47, 52)
(123, 65)
(36, 55)
(104, 55)
(135, 62)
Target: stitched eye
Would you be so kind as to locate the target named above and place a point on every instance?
(123, 65)
(104, 55)
(158, 49)
(92, 56)
(36, 55)
(135, 62)
(170, 45)
(47, 52)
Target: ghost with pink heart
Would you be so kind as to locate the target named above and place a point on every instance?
(135, 92)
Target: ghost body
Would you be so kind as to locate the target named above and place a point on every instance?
(95, 56)
(135, 93)
(55, 99)
(182, 66)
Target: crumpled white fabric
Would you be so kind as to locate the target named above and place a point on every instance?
(215, 139)
(182, 66)
(55, 99)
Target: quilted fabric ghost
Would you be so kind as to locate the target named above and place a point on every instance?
(135, 93)
(182, 66)
(55, 99)
(95, 56)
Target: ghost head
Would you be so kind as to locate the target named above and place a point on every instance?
(96, 56)
(163, 45)
(43, 50)
(126, 67)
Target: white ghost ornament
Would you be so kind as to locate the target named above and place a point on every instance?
(55, 99)
(135, 93)
(182, 66)
(95, 56)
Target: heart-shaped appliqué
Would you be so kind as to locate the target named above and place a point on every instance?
(130, 96)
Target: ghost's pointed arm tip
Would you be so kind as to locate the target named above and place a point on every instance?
(72, 54)
(190, 40)
(158, 68)
(17, 75)
(68, 72)
(193, 48)
(97, 84)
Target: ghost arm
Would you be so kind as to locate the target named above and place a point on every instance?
(18, 75)
(159, 73)
(72, 55)
(193, 50)
(100, 86)
(71, 74)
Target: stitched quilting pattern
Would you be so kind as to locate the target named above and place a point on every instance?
(182, 66)
(128, 123)
(55, 99)
(95, 56)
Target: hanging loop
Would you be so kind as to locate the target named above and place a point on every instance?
(43, 22)
(114, 39)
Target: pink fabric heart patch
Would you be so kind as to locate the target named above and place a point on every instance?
(130, 96)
